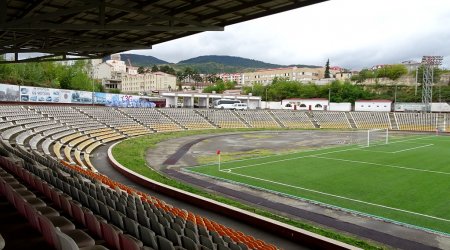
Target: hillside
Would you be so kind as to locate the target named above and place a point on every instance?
(141, 60)
(210, 64)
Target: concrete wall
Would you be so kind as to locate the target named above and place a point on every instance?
(344, 106)
(373, 106)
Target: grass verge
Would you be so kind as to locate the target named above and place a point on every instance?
(131, 154)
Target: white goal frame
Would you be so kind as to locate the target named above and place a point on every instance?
(371, 131)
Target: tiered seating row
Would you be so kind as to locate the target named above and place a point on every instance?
(152, 119)
(188, 118)
(258, 118)
(293, 119)
(126, 218)
(331, 119)
(222, 118)
(369, 120)
(416, 121)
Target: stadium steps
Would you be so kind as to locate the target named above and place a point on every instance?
(242, 119)
(393, 120)
(276, 119)
(441, 126)
(206, 118)
(137, 121)
(172, 119)
(350, 119)
(314, 122)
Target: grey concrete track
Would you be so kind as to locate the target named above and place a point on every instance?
(99, 160)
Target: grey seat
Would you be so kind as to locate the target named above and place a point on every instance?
(75, 239)
(173, 236)
(157, 228)
(104, 211)
(131, 226)
(116, 218)
(164, 244)
(188, 243)
(205, 241)
(143, 219)
(191, 235)
(234, 246)
(148, 237)
(176, 227)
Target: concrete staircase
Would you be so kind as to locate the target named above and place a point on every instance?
(242, 119)
(314, 122)
(171, 119)
(206, 118)
(393, 120)
(276, 119)
(350, 119)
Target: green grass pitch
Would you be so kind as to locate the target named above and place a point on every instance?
(407, 180)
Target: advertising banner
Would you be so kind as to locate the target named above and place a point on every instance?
(128, 101)
(99, 98)
(9, 93)
(65, 96)
(81, 97)
(35, 94)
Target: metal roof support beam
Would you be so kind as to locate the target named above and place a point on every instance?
(92, 48)
(33, 20)
(3, 6)
(113, 27)
(51, 58)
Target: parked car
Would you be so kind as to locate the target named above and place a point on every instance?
(240, 106)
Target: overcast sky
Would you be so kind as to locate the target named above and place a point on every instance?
(353, 34)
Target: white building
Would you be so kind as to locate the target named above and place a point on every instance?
(305, 104)
(146, 83)
(115, 74)
(373, 105)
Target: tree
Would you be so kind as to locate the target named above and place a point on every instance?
(141, 70)
(327, 69)
(155, 68)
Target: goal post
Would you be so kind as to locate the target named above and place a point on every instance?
(377, 136)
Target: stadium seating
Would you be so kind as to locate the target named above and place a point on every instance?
(188, 118)
(46, 153)
(152, 119)
(258, 118)
(416, 121)
(331, 119)
(222, 118)
(293, 119)
(371, 120)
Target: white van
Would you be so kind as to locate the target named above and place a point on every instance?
(240, 106)
(225, 103)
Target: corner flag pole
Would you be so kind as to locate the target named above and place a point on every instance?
(218, 154)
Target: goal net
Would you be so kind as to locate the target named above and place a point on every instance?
(376, 137)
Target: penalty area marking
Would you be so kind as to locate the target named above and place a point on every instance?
(381, 165)
(340, 197)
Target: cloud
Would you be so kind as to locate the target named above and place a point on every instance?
(352, 33)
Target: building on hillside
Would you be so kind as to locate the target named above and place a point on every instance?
(148, 82)
(232, 77)
(266, 76)
(305, 104)
(411, 65)
(373, 105)
(115, 74)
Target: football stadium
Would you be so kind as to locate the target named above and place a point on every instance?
(78, 171)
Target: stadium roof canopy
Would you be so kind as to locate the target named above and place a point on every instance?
(96, 28)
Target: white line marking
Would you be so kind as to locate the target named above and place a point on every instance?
(344, 198)
(403, 150)
(382, 165)
(288, 159)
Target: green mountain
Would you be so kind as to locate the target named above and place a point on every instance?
(209, 64)
(141, 60)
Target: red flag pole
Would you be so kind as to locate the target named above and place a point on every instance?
(218, 153)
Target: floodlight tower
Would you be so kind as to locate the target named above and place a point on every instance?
(429, 63)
